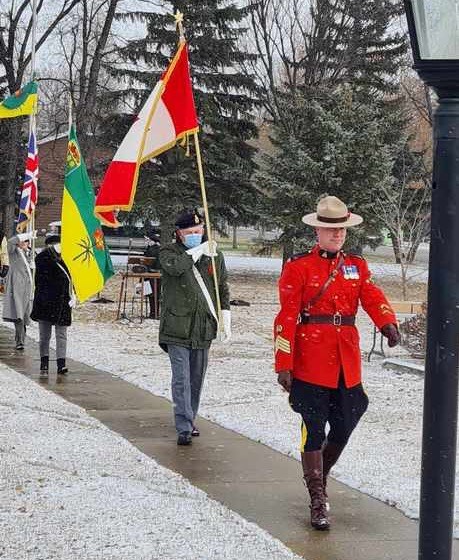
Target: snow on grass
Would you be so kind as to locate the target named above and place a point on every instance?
(272, 266)
(72, 489)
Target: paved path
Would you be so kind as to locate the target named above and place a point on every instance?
(260, 484)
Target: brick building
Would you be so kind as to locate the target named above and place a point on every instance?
(52, 152)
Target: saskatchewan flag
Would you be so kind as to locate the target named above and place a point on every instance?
(23, 102)
(82, 240)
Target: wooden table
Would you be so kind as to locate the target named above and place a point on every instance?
(138, 277)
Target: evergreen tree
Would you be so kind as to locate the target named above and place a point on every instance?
(329, 144)
(336, 127)
(355, 42)
(225, 100)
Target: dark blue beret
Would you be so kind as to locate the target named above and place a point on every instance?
(188, 219)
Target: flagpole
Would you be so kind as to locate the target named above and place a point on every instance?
(179, 23)
(32, 123)
(34, 36)
(32, 56)
(208, 227)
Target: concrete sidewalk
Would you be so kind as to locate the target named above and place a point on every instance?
(257, 482)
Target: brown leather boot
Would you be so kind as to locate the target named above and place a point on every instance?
(330, 454)
(313, 479)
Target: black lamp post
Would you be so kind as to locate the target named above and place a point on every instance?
(434, 32)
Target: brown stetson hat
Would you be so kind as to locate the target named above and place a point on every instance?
(332, 212)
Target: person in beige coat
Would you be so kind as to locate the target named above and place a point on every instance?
(4, 259)
(17, 303)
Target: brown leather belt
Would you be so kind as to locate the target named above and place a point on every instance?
(337, 319)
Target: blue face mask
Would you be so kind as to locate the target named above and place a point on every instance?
(192, 240)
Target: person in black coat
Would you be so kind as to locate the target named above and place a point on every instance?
(52, 303)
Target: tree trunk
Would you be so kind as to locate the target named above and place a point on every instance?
(404, 282)
(8, 216)
(11, 179)
(412, 252)
(396, 248)
(234, 237)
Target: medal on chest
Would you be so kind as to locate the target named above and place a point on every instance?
(350, 272)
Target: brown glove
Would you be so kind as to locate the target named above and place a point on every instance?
(390, 331)
(284, 378)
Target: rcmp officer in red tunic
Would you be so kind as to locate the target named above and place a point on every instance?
(317, 354)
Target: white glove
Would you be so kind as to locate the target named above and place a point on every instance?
(210, 249)
(32, 265)
(72, 301)
(225, 334)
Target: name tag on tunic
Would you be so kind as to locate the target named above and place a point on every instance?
(350, 272)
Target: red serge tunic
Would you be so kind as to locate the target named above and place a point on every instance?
(316, 353)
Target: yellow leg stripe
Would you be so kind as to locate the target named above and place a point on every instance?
(304, 436)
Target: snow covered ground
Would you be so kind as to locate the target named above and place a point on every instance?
(71, 489)
(383, 457)
(272, 266)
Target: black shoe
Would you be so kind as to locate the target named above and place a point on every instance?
(44, 365)
(19, 346)
(184, 438)
(195, 432)
(61, 369)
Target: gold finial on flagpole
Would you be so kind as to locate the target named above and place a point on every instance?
(179, 24)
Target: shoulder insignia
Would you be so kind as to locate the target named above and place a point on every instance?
(297, 256)
(356, 256)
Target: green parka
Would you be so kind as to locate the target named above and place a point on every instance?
(186, 319)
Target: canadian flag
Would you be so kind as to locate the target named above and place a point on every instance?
(168, 116)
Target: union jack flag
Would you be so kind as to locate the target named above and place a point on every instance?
(29, 194)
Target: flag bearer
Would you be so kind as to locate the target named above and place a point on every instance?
(189, 317)
(317, 354)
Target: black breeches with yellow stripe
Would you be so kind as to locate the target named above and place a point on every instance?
(340, 408)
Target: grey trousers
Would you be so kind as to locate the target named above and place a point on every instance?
(20, 330)
(45, 328)
(188, 371)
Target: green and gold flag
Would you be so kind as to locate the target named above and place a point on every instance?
(23, 102)
(82, 240)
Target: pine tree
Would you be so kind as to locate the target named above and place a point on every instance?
(328, 145)
(225, 100)
(335, 129)
(355, 42)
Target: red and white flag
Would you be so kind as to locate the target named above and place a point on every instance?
(29, 193)
(168, 116)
